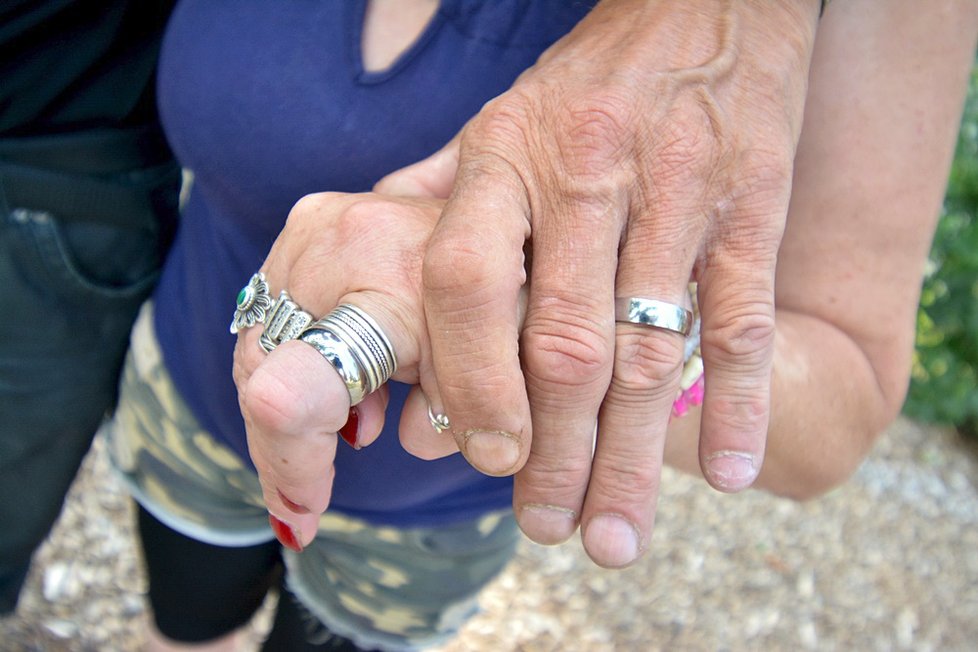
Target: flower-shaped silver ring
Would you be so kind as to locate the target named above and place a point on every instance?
(253, 302)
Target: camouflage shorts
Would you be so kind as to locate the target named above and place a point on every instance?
(383, 587)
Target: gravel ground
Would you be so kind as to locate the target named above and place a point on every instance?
(887, 562)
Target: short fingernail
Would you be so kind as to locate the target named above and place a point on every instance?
(547, 524)
(292, 505)
(611, 541)
(731, 470)
(287, 535)
(350, 432)
(492, 451)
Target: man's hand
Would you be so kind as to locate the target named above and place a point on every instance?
(651, 145)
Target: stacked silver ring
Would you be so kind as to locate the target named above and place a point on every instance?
(340, 355)
(356, 346)
(347, 337)
(285, 321)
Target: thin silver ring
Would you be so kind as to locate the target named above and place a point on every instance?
(438, 421)
(285, 321)
(652, 312)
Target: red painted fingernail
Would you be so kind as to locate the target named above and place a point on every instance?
(351, 429)
(295, 507)
(286, 534)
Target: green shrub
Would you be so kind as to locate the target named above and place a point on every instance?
(944, 385)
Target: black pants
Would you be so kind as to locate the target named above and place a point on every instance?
(69, 292)
(195, 580)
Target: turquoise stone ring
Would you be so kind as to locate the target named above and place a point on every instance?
(252, 304)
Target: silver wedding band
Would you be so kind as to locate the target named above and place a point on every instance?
(654, 313)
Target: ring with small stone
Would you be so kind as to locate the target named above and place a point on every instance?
(252, 304)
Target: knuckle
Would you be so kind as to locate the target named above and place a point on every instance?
(597, 136)
(458, 266)
(745, 413)
(645, 361)
(745, 340)
(766, 168)
(763, 182)
(342, 216)
(307, 205)
(270, 404)
(365, 212)
(625, 477)
(563, 349)
(691, 131)
(501, 123)
(348, 230)
(684, 153)
(310, 205)
(556, 473)
(392, 233)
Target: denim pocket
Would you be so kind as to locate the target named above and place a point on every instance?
(83, 261)
(87, 238)
(65, 329)
(70, 289)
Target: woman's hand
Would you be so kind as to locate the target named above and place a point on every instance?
(335, 248)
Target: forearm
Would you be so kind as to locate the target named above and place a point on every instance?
(886, 94)
(827, 408)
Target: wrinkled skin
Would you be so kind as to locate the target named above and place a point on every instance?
(848, 271)
(652, 144)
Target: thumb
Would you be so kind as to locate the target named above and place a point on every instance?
(430, 177)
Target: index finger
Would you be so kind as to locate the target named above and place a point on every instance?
(472, 274)
(293, 448)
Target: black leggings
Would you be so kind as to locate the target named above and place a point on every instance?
(200, 592)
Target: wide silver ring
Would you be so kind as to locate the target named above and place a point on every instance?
(338, 354)
(285, 321)
(252, 304)
(654, 313)
(365, 344)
